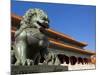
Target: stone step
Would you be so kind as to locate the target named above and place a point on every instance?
(37, 69)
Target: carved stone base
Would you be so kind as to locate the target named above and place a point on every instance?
(37, 69)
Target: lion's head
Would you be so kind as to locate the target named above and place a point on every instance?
(35, 18)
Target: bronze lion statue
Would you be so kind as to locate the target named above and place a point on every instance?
(31, 43)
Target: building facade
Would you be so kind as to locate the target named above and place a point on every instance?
(68, 50)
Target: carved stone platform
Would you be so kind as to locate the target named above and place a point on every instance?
(37, 69)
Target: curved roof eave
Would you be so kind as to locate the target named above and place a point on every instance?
(18, 18)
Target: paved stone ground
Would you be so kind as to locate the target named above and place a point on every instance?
(80, 66)
(36, 69)
(49, 68)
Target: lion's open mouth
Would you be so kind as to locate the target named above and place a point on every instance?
(44, 25)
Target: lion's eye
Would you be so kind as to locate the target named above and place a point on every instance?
(45, 19)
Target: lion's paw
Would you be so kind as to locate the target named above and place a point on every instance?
(18, 63)
(27, 62)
